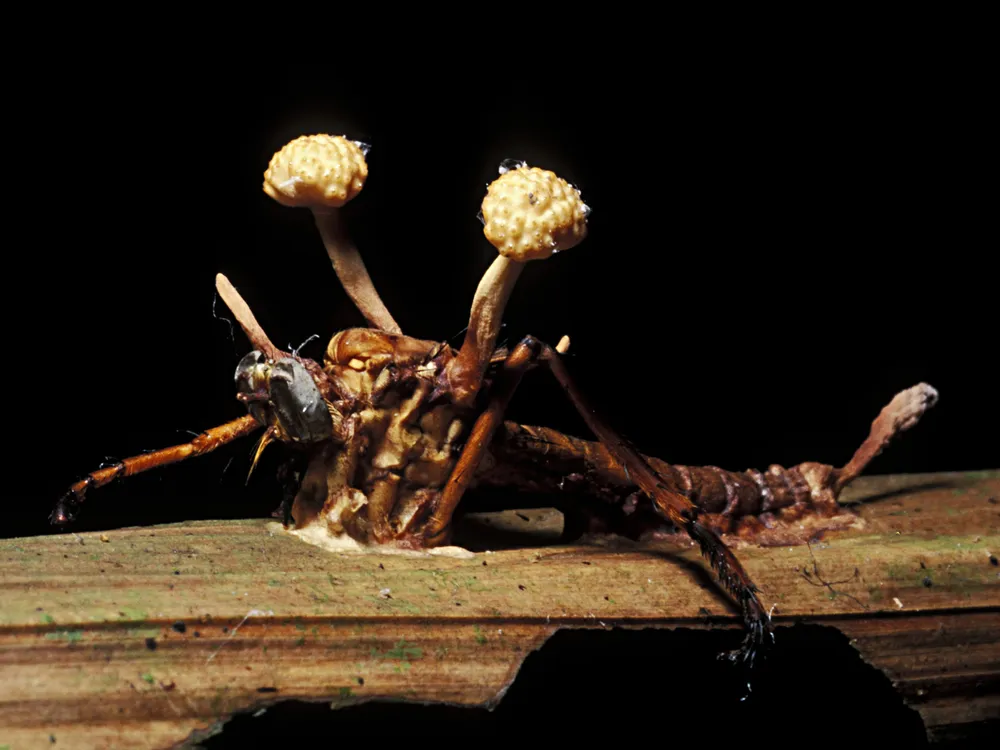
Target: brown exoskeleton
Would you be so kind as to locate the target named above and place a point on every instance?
(392, 430)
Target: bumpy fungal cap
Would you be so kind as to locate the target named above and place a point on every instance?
(316, 171)
(531, 213)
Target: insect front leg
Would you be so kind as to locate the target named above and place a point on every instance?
(67, 506)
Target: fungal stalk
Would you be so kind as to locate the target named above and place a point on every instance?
(322, 173)
(528, 214)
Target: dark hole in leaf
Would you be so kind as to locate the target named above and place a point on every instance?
(798, 692)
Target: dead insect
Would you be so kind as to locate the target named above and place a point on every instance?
(390, 431)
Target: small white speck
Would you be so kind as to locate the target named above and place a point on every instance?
(288, 187)
(384, 593)
(898, 603)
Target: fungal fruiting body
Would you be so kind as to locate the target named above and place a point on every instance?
(322, 173)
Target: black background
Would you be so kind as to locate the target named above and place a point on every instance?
(782, 238)
(774, 251)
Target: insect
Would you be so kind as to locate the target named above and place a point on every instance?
(389, 431)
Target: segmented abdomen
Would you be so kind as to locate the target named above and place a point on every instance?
(745, 493)
(543, 460)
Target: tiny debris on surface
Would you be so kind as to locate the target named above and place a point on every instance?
(247, 616)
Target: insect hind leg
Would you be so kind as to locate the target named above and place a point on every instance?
(670, 505)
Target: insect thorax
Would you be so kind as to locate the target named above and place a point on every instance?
(395, 440)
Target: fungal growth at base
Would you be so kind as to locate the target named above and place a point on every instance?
(385, 436)
(322, 173)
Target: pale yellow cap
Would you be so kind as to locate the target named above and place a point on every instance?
(316, 171)
(530, 213)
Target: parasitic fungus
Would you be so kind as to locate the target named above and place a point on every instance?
(528, 214)
(322, 173)
(241, 311)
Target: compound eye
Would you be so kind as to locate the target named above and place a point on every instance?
(251, 381)
(298, 404)
(247, 366)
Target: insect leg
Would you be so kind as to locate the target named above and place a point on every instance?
(519, 361)
(66, 508)
(668, 503)
(673, 506)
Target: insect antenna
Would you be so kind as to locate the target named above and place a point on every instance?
(296, 350)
